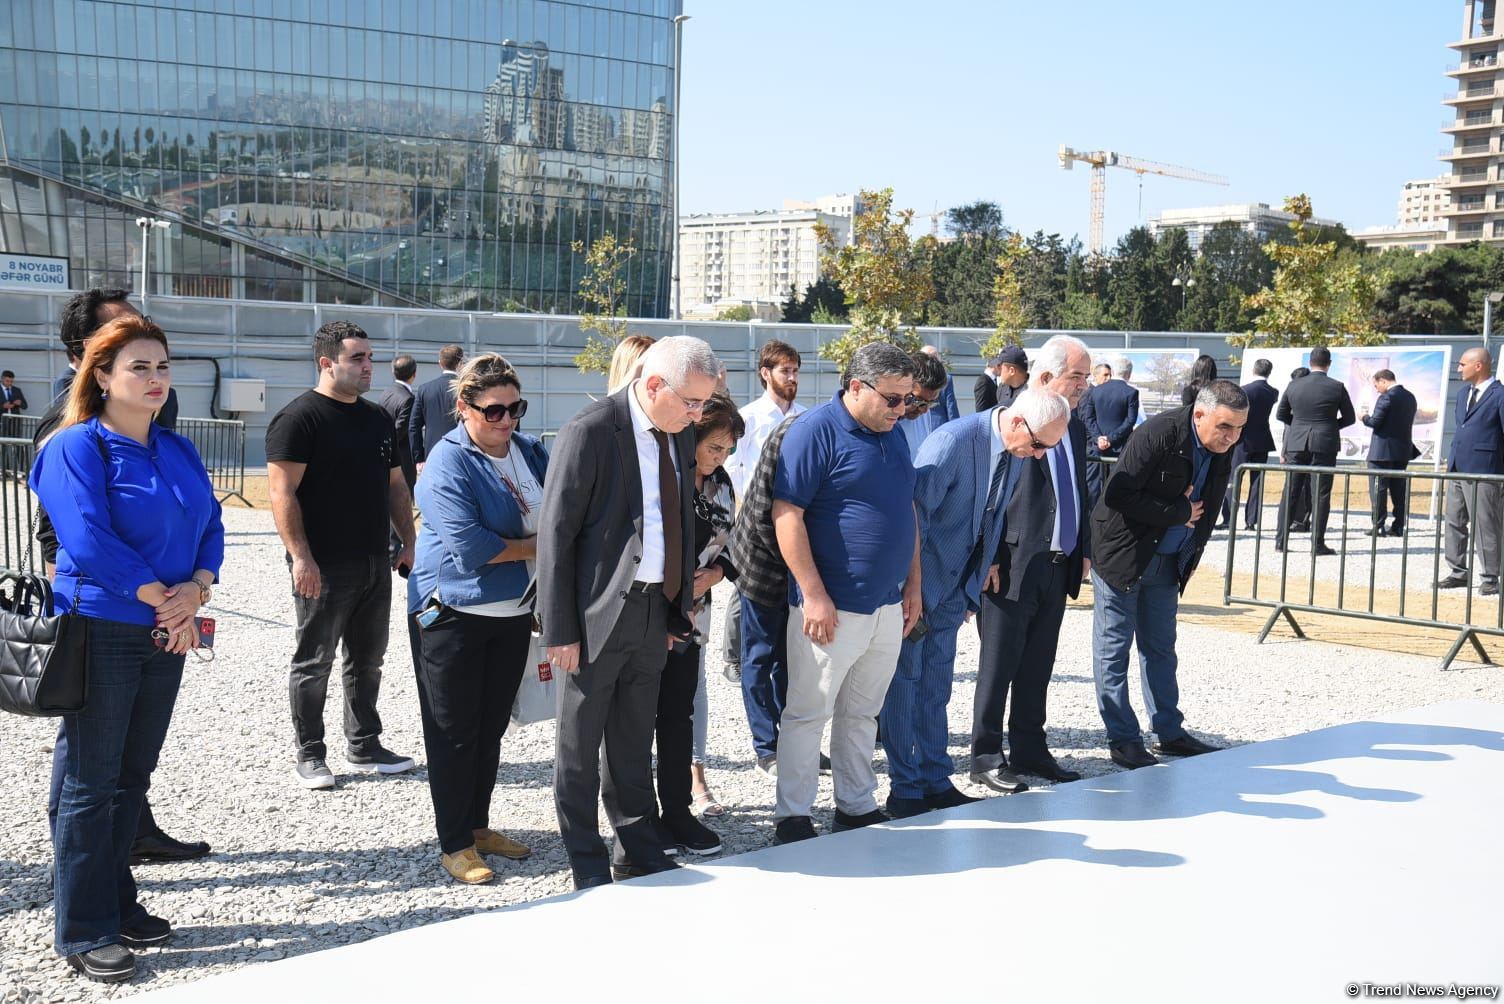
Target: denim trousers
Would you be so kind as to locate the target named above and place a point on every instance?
(354, 608)
(915, 731)
(1144, 613)
(112, 749)
(765, 672)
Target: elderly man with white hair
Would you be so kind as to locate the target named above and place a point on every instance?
(615, 566)
(966, 474)
(1042, 557)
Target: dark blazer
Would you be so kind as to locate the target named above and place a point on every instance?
(61, 384)
(1109, 409)
(984, 392)
(1030, 522)
(1006, 394)
(433, 415)
(1316, 408)
(397, 402)
(590, 528)
(1146, 496)
(17, 395)
(1257, 436)
(1478, 442)
(1392, 421)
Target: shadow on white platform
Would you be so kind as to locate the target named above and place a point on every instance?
(1282, 870)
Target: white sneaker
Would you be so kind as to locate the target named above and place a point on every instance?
(314, 774)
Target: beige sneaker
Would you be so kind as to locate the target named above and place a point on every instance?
(467, 867)
(491, 842)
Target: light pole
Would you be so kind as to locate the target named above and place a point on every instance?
(1185, 285)
(147, 224)
(1488, 316)
(674, 169)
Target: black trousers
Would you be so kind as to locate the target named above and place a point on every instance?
(675, 729)
(1097, 474)
(1253, 479)
(1393, 491)
(467, 680)
(612, 699)
(1019, 638)
(1320, 495)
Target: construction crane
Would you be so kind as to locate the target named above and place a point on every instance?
(1100, 160)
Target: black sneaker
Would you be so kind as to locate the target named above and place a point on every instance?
(824, 765)
(794, 829)
(845, 822)
(767, 766)
(379, 761)
(665, 838)
(147, 931)
(694, 836)
(314, 774)
(110, 964)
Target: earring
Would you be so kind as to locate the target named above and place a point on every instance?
(104, 395)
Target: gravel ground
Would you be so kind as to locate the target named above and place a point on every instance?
(296, 871)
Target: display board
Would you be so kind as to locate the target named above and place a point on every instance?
(1158, 375)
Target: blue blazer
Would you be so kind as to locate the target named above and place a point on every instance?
(1392, 421)
(1258, 437)
(1478, 442)
(1109, 410)
(952, 475)
(948, 407)
(466, 514)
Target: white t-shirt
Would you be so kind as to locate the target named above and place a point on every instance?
(514, 469)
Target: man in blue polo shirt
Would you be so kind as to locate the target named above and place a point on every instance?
(843, 513)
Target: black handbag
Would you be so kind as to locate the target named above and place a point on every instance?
(44, 657)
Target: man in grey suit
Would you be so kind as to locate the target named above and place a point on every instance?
(615, 567)
(433, 406)
(1315, 410)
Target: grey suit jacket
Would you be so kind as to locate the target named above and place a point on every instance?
(590, 529)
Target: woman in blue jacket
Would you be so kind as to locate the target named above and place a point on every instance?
(471, 590)
(140, 543)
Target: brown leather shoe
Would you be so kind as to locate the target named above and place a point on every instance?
(491, 842)
(467, 867)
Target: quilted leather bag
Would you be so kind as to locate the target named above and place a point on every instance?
(44, 657)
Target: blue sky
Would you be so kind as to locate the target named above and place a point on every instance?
(950, 101)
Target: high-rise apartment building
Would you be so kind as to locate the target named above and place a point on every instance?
(1475, 185)
(757, 257)
(1424, 201)
(436, 153)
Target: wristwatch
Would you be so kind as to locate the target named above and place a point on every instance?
(204, 592)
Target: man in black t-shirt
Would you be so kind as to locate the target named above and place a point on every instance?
(337, 489)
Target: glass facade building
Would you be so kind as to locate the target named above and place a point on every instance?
(448, 153)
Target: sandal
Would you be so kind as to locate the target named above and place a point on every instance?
(704, 804)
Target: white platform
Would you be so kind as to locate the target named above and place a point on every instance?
(1280, 871)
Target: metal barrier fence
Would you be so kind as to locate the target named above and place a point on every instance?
(17, 506)
(1366, 576)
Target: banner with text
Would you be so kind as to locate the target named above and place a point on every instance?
(33, 272)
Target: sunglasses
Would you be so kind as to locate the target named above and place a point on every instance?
(492, 412)
(895, 400)
(1033, 439)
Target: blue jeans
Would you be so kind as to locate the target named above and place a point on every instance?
(915, 730)
(765, 672)
(112, 749)
(1145, 612)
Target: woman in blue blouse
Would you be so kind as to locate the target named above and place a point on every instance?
(140, 543)
(471, 590)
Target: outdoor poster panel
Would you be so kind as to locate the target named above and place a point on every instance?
(33, 272)
(1423, 370)
(1158, 375)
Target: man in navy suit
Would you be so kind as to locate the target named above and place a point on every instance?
(961, 472)
(1477, 448)
(1254, 447)
(433, 407)
(1043, 555)
(1109, 413)
(1391, 448)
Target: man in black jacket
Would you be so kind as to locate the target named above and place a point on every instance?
(1148, 533)
(1391, 448)
(1315, 409)
(1255, 446)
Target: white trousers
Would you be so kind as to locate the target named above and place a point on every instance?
(848, 680)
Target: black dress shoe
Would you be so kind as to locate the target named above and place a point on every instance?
(582, 882)
(1186, 745)
(689, 833)
(1396, 531)
(903, 808)
(1452, 582)
(620, 873)
(110, 964)
(1300, 528)
(844, 822)
(147, 931)
(999, 779)
(1047, 769)
(1322, 551)
(1131, 755)
(159, 846)
(1377, 531)
(949, 798)
(794, 829)
(1489, 589)
(1220, 526)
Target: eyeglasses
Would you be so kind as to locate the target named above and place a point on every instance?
(690, 404)
(1033, 439)
(894, 400)
(720, 451)
(923, 403)
(492, 412)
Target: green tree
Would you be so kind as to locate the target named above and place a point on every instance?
(1439, 293)
(1010, 315)
(1042, 278)
(975, 221)
(1320, 295)
(886, 276)
(740, 312)
(602, 290)
(1138, 288)
(963, 278)
(823, 297)
(1231, 266)
(1085, 305)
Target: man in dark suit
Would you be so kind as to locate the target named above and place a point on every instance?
(397, 402)
(1477, 448)
(1315, 409)
(12, 400)
(1109, 414)
(433, 406)
(615, 567)
(1040, 559)
(1254, 447)
(1391, 448)
(984, 391)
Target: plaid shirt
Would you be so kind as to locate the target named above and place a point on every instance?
(763, 577)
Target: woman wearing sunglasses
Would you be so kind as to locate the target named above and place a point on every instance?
(471, 595)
